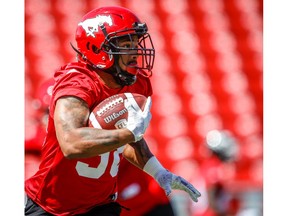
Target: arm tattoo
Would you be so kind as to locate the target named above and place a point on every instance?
(73, 112)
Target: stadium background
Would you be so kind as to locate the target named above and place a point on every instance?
(208, 75)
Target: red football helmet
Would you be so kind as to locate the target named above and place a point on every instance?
(97, 34)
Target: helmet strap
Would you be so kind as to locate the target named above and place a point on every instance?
(123, 78)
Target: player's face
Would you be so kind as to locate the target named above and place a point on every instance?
(130, 59)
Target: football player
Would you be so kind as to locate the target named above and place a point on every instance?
(78, 171)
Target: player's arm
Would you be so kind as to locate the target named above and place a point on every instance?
(79, 141)
(139, 154)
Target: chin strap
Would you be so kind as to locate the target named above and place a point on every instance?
(123, 78)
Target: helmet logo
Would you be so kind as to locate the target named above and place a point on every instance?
(91, 25)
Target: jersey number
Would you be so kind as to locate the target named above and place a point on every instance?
(83, 169)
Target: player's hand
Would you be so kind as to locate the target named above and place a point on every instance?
(168, 181)
(138, 120)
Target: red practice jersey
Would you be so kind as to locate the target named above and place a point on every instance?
(69, 187)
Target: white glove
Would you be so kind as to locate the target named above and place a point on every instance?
(138, 120)
(168, 180)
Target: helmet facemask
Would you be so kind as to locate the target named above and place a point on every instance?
(144, 49)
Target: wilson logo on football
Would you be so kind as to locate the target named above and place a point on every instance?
(115, 115)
